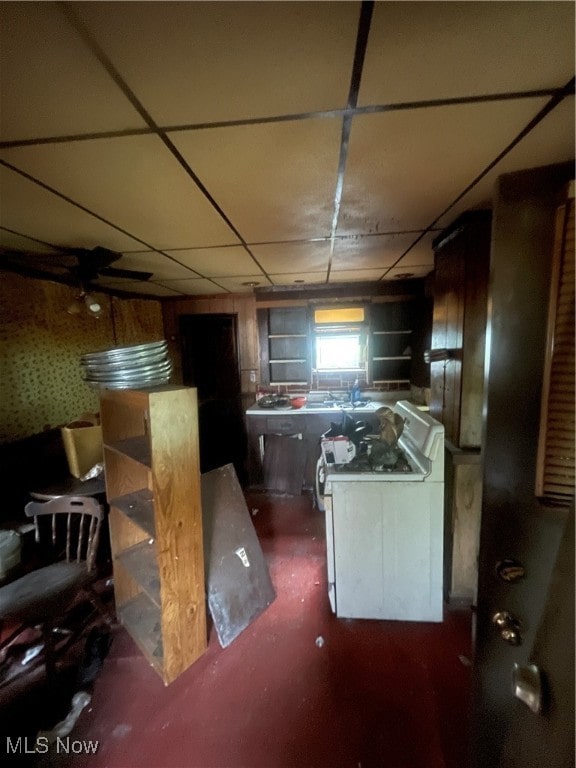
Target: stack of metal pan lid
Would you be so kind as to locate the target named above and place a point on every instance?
(134, 367)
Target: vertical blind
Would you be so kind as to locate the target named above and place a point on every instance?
(555, 467)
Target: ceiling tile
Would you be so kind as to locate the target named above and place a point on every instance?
(162, 267)
(370, 252)
(292, 278)
(274, 181)
(217, 262)
(292, 257)
(200, 287)
(196, 61)
(133, 182)
(244, 284)
(419, 51)
(552, 141)
(354, 275)
(137, 286)
(400, 272)
(422, 253)
(404, 168)
(20, 243)
(31, 210)
(51, 85)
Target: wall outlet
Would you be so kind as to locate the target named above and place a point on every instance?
(253, 377)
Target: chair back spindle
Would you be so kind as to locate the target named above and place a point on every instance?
(74, 507)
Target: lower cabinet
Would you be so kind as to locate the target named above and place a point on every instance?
(384, 549)
(153, 488)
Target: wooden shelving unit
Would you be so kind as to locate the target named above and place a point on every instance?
(284, 338)
(390, 342)
(153, 489)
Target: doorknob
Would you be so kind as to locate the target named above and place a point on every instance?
(527, 686)
(509, 627)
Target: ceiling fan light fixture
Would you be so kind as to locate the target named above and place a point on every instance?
(92, 305)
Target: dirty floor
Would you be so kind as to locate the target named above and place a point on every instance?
(369, 694)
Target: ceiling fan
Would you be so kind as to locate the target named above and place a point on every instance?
(69, 265)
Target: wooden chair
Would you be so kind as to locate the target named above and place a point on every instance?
(40, 597)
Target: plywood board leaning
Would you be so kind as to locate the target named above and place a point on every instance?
(238, 583)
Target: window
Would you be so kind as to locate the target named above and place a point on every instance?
(340, 339)
(338, 351)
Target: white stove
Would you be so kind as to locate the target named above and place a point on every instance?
(384, 529)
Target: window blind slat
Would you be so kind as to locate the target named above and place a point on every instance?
(555, 479)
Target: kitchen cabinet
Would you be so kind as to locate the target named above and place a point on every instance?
(306, 423)
(390, 350)
(461, 261)
(153, 488)
(461, 268)
(284, 346)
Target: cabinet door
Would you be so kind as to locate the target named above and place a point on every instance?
(388, 550)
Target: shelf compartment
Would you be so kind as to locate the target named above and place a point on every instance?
(136, 448)
(143, 621)
(124, 474)
(287, 335)
(288, 360)
(141, 563)
(139, 508)
(390, 333)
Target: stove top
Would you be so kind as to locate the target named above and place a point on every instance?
(380, 464)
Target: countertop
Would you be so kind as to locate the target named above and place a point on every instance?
(371, 407)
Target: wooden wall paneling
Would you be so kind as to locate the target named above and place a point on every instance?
(475, 308)
(137, 321)
(462, 254)
(242, 306)
(445, 376)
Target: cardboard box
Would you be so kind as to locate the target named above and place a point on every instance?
(337, 450)
(83, 443)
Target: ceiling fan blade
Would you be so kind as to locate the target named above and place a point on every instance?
(129, 274)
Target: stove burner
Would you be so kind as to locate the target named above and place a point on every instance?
(365, 463)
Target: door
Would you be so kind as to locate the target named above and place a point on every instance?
(515, 524)
(210, 363)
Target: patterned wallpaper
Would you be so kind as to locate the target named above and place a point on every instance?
(40, 348)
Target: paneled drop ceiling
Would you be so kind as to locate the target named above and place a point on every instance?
(227, 145)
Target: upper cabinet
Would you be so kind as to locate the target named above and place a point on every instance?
(390, 351)
(461, 268)
(285, 345)
(374, 345)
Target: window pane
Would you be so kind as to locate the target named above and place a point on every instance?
(338, 352)
(339, 315)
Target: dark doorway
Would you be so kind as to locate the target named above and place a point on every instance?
(210, 363)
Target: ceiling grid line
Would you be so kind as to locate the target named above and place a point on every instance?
(366, 11)
(101, 56)
(370, 109)
(561, 94)
(317, 143)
